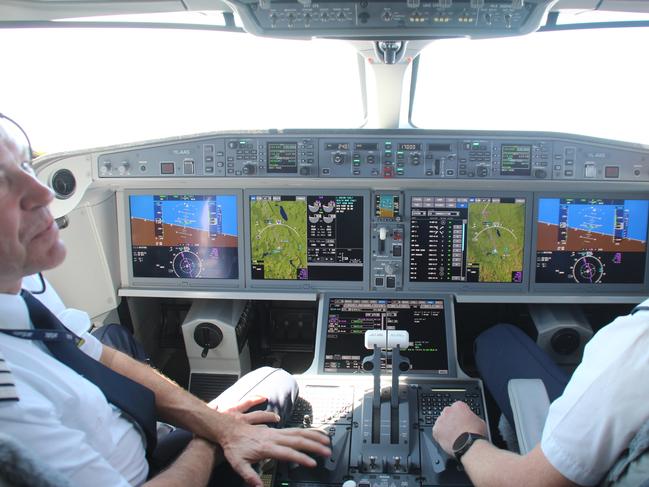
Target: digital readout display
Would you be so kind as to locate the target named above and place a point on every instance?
(337, 146)
(516, 160)
(409, 146)
(366, 146)
(282, 157)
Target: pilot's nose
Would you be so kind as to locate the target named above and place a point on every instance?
(35, 193)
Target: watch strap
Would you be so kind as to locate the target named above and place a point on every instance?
(468, 440)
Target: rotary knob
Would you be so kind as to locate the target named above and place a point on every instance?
(106, 167)
(123, 168)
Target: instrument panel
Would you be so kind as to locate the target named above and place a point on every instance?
(368, 154)
(319, 235)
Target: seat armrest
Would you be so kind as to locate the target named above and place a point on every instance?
(530, 405)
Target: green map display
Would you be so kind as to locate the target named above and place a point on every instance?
(495, 239)
(279, 237)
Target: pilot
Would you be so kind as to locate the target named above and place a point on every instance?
(593, 417)
(67, 421)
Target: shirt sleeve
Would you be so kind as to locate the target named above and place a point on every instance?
(594, 420)
(61, 448)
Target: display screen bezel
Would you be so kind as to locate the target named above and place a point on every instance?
(177, 282)
(321, 339)
(580, 288)
(307, 284)
(460, 286)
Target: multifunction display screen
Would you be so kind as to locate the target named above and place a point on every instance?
(591, 241)
(306, 237)
(349, 319)
(282, 157)
(186, 236)
(471, 239)
(516, 160)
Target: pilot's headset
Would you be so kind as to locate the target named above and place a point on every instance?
(12, 131)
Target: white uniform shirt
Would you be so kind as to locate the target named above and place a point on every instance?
(604, 404)
(61, 417)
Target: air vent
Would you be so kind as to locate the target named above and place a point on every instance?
(63, 183)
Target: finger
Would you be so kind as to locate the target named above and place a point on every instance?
(247, 473)
(312, 434)
(305, 443)
(260, 417)
(287, 454)
(248, 403)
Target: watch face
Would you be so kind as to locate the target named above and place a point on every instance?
(460, 441)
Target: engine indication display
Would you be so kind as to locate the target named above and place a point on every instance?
(187, 236)
(591, 241)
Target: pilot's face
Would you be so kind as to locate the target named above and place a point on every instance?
(29, 237)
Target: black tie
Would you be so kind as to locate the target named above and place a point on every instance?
(133, 399)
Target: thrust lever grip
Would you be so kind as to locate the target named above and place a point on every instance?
(386, 339)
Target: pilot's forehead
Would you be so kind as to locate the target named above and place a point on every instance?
(12, 149)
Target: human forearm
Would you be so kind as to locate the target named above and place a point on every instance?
(489, 466)
(173, 403)
(193, 467)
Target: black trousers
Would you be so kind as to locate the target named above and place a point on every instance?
(504, 352)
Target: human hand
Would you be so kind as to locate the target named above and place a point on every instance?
(239, 410)
(455, 420)
(245, 444)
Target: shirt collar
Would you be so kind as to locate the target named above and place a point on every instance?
(13, 312)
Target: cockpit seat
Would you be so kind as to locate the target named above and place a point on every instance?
(20, 468)
(530, 405)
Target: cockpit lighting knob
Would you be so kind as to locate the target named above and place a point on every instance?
(123, 167)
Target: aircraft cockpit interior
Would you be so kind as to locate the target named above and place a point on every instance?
(366, 257)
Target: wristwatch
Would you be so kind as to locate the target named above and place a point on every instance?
(463, 442)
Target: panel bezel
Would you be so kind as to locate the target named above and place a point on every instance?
(314, 284)
(449, 323)
(124, 225)
(576, 288)
(463, 286)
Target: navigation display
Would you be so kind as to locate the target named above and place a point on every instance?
(591, 241)
(471, 239)
(187, 236)
(349, 319)
(306, 237)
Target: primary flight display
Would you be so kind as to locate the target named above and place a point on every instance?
(591, 240)
(184, 236)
